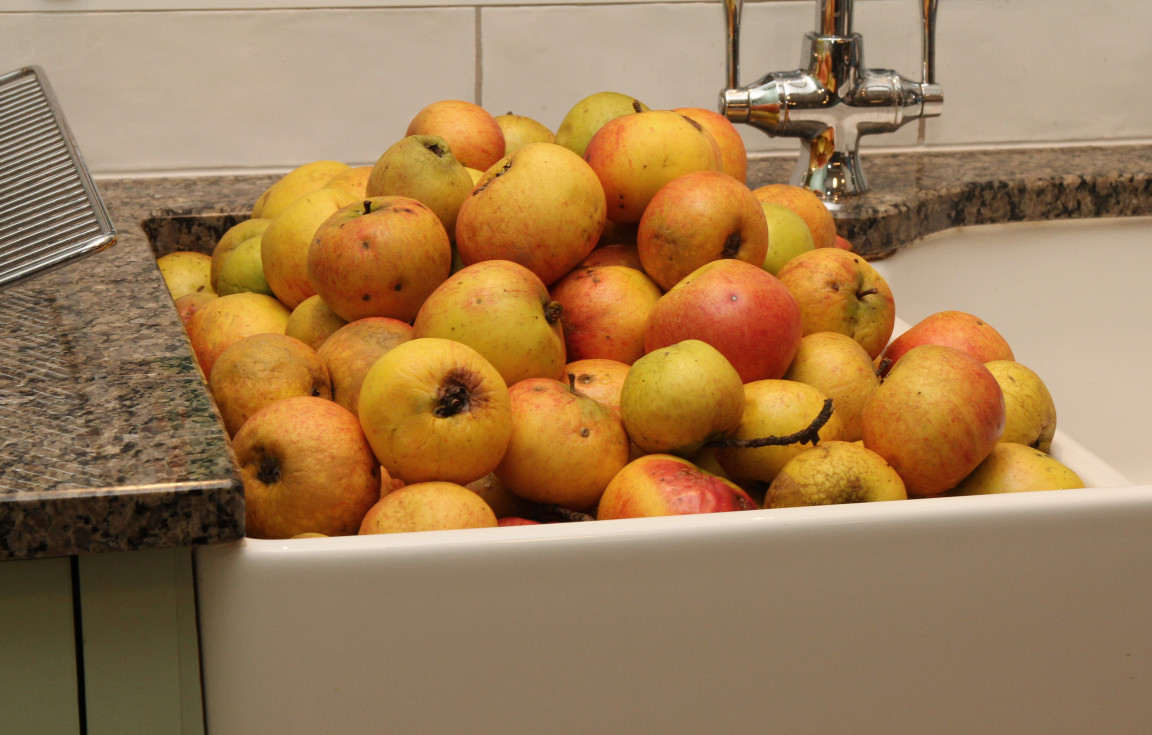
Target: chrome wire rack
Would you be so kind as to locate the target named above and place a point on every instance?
(50, 211)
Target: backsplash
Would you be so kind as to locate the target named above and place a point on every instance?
(160, 87)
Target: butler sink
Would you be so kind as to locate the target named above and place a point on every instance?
(1073, 300)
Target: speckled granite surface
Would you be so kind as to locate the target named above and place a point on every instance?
(109, 440)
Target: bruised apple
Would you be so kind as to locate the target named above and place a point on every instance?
(934, 418)
(697, 218)
(435, 409)
(306, 468)
(958, 329)
(666, 485)
(605, 311)
(503, 311)
(380, 256)
(263, 368)
(541, 207)
(564, 447)
(834, 472)
(740, 309)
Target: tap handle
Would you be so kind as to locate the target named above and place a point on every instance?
(928, 41)
(732, 9)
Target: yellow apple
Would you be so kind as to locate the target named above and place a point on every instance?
(312, 322)
(244, 270)
(733, 154)
(353, 349)
(185, 272)
(1017, 468)
(806, 204)
(520, 130)
(422, 167)
(588, 115)
(841, 369)
(285, 243)
(231, 239)
(428, 506)
(1030, 412)
(228, 319)
(435, 409)
(296, 183)
(541, 207)
(354, 180)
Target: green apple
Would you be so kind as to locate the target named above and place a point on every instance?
(422, 167)
(244, 270)
(588, 115)
(788, 236)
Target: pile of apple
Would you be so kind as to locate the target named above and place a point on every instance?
(495, 324)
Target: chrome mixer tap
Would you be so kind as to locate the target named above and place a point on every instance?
(833, 99)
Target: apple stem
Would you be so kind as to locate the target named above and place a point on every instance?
(367, 206)
(808, 435)
(869, 292)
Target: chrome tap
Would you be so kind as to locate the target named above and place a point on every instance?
(833, 99)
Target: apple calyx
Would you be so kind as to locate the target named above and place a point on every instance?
(452, 398)
(269, 472)
(552, 311)
(438, 147)
(808, 435)
(731, 246)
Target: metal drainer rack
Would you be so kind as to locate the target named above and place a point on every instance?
(50, 211)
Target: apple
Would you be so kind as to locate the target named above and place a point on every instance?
(353, 349)
(422, 167)
(190, 303)
(666, 485)
(959, 329)
(1030, 412)
(619, 233)
(231, 239)
(697, 218)
(381, 256)
(262, 368)
(503, 502)
(839, 291)
(296, 183)
(428, 506)
(1017, 468)
(244, 270)
(520, 130)
(733, 153)
(837, 366)
(435, 409)
(285, 243)
(635, 155)
(605, 311)
(185, 272)
(541, 207)
(788, 236)
(740, 309)
(599, 379)
(354, 180)
(806, 204)
(312, 322)
(306, 468)
(676, 398)
(615, 253)
(781, 409)
(503, 311)
(934, 418)
(227, 319)
(843, 243)
(834, 472)
(471, 131)
(564, 447)
(588, 115)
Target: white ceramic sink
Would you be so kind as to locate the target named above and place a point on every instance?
(1074, 300)
(1024, 614)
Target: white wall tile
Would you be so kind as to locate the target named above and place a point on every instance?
(227, 90)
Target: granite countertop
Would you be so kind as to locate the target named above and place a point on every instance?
(109, 439)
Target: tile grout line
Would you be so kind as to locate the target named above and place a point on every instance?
(478, 41)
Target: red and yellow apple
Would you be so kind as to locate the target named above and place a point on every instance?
(605, 311)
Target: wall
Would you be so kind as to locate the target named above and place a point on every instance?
(167, 86)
